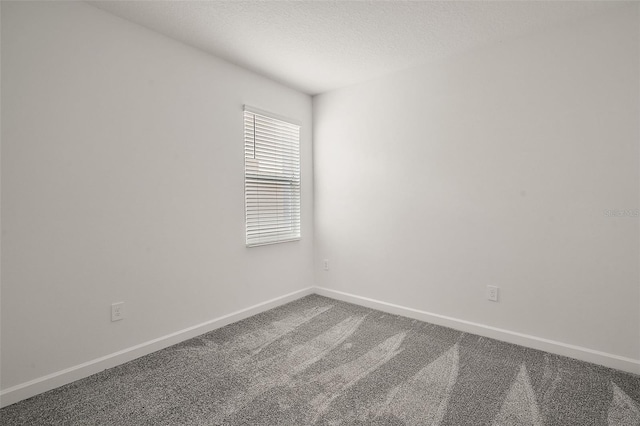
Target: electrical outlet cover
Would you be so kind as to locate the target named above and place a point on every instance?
(492, 293)
(117, 311)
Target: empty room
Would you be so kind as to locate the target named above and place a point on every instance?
(320, 213)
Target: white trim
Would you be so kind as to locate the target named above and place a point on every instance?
(578, 352)
(51, 381)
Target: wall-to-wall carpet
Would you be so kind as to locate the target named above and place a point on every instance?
(321, 361)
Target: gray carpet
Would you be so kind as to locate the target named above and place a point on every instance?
(325, 362)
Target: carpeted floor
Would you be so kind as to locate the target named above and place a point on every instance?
(321, 361)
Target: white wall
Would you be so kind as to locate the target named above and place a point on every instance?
(122, 180)
(494, 168)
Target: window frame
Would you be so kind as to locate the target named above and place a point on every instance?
(281, 184)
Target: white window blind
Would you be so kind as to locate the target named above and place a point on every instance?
(271, 178)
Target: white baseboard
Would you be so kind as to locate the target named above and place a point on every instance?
(584, 354)
(51, 381)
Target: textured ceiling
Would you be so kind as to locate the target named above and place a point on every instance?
(316, 46)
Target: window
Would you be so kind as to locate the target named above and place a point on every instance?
(271, 178)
